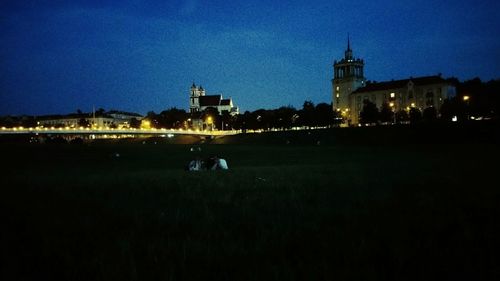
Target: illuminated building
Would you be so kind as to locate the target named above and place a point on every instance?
(350, 90)
(348, 75)
(199, 101)
(118, 119)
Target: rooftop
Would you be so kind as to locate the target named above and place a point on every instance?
(395, 84)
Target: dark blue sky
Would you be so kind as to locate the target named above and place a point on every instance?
(59, 56)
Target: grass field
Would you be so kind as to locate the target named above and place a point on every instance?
(289, 208)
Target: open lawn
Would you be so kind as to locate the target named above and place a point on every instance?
(298, 211)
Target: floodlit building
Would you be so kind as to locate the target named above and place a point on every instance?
(199, 101)
(348, 75)
(350, 89)
(116, 119)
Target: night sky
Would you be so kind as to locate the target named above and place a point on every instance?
(59, 56)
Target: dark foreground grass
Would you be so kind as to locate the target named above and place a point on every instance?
(303, 212)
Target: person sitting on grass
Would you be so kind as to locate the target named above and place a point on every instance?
(213, 163)
(195, 165)
(216, 163)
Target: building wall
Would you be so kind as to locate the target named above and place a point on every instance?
(342, 88)
(194, 102)
(421, 97)
(73, 122)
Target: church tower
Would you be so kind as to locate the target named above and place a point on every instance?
(194, 98)
(348, 75)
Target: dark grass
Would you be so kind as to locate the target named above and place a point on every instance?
(380, 211)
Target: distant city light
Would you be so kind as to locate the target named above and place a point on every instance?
(466, 98)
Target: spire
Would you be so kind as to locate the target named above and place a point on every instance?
(348, 42)
(348, 52)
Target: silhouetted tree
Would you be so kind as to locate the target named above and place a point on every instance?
(100, 112)
(172, 118)
(429, 114)
(453, 107)
(134, 123)
(369, 114)
(227, 120)
(415, 115)
(28, 121)
(152, 118)
(386, 113)
(307, 114)
(402, 116)
(337, 118)
(241, 121)
(83, 122)
(211, 113)
(284, 117)
(323, 115)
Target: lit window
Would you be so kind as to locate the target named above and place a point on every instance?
(338, 88)
(393, 95)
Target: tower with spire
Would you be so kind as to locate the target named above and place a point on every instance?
(348, 75)
(194, 97)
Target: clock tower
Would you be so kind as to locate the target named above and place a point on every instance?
(348, 75)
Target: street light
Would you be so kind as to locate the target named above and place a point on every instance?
(210, 122)
(466, 100)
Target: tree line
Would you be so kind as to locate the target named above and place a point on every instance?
(285, 117)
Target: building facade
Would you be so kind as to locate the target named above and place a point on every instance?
(199, 101)
(350, 90)
(111, 119)
(418, 92)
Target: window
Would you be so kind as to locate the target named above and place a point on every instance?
(429, 98)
